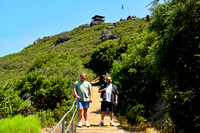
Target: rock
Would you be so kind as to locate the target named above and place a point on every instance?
(110, 27)
(114, 36)
(131, 17)
(61, 39)
(105, 35)
(37, 41)
(148, 18)
(84, 27)
(160, 114)
(95, 23)
(122, 21)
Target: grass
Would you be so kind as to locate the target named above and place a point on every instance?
(20, 124)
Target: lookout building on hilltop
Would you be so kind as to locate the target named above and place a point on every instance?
(98, 18)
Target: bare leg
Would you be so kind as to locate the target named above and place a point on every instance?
(103, 114)
(80, 110)
(111, 115)
(85, 113)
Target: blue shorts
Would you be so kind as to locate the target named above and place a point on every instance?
(82, 104)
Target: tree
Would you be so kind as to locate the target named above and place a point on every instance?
(103, 57)
(177, 23)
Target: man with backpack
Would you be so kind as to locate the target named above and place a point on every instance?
(109, 95)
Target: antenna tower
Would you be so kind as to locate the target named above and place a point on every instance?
(122, 11)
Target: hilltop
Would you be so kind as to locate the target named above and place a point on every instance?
(79, 43)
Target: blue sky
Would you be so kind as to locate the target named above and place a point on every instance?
(24, 21)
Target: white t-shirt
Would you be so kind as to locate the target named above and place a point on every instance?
(108, 92)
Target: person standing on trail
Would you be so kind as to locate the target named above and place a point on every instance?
(109, 95)
(83, 93)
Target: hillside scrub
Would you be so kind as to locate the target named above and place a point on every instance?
(177, 24)
(38, 79)
(104, 55)
(133, 75)
(160, 60)
(129, 61)
(45, 86)
(169, 69)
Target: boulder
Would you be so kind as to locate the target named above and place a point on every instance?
(122, 21)
(105, 35)
(37, 41)
(110, 27)
(114, 36)
(131, 17)
(148, 18)
(61, 39)
(95, 23)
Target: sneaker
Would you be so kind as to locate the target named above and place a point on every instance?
(79, 124)
(111, 123)
(87, 124)
(101, 124)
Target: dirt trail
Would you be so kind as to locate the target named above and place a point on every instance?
(94, 117)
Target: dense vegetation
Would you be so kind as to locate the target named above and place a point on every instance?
(38, 79)
(161, 61)
(151, 61)
(177, 58)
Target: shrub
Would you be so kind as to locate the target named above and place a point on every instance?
(176, 58)
(46, 117)
(136, 114)
(45, 92)
(133, 75)
(10, 102)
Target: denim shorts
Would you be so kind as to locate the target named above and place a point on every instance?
(82, 104)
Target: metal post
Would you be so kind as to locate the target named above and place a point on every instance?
(63, 120)
(72, 119)
(63, 125)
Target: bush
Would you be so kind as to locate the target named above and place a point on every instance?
(46, 117)
(10, 102)
(43, 91)
(133, 75)
(176, 58)
(136, 114)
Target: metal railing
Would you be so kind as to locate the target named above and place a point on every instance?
(63, 120)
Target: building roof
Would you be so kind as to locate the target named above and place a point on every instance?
(98, 16)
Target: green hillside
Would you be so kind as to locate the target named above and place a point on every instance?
(155, 66)
(42, 74)
(82, 42)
